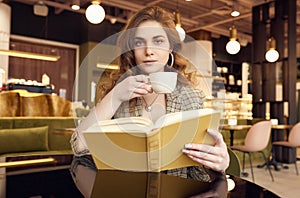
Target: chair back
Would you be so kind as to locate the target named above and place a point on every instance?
(258, 136)
(294, 136)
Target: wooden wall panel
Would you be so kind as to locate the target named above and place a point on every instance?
(61, 73)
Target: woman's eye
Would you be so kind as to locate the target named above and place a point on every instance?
(158, 41)
(138, 43)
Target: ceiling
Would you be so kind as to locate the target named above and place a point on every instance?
(210, 15)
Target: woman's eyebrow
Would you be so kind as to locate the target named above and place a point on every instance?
(154, 37)
(159, 36)
(139, 39)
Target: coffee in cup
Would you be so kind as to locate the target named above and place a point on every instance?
(163, 82)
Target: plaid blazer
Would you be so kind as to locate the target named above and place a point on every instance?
(183, 98)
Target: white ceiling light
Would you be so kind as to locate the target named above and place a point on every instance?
(235, 13)
(95, 13)
(40, 9)
(233, 46)
(75, 5)
(272, 54)
(179, 29)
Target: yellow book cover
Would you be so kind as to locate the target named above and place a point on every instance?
(137, 144)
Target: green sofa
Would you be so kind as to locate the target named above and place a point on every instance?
(30, 146)
(35, 136)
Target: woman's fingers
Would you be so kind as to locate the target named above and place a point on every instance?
(215, 134)
(140, 85)
(213, 156)
(132, 87)
(215, 160)
(142, 78)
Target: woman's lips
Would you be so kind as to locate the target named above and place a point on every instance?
(149, 62)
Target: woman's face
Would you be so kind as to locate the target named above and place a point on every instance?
(151, 47)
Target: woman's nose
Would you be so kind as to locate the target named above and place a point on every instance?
(149, 50)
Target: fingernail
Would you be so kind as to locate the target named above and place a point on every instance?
(188, 146)
(185, 151)
(211, 130)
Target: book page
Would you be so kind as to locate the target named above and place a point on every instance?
(134, 124)
(142, 124)
(172, 118)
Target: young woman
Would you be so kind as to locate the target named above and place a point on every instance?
(148, 44)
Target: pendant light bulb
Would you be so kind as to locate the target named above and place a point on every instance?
(235, 13)
(179, 29)
(233, 46)
(75, 5)
(95, 13)
(272, 54)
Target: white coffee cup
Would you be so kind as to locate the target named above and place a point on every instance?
(163, 82)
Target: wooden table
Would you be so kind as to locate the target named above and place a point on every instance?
(233, 128)
(282, 126)
(117, 183)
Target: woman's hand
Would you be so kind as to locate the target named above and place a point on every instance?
(132, 87)
(215, 157)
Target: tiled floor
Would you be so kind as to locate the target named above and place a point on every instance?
(286, 184)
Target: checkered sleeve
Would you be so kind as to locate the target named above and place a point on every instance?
(78, 144)
(192, 98)
(193, 172)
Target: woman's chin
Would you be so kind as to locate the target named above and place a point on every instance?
(147, 71)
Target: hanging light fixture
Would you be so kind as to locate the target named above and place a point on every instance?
(233, 46)
(234, 12)
(75, 4)
(40, 9)
(179, 29)
(30, 55)
(272, 54)
(95, 13)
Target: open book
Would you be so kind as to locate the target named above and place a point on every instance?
(137, 144)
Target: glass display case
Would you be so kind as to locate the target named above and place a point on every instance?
(237, 108)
